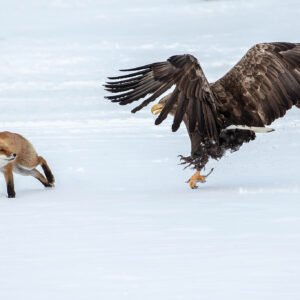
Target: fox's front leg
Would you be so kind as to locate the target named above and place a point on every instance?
(9, 178)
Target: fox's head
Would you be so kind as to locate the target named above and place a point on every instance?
(6, 155)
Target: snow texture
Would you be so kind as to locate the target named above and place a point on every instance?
(121, 223)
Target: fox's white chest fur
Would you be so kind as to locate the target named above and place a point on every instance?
(4, 161)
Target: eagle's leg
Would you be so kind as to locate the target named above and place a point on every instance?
(197, 177)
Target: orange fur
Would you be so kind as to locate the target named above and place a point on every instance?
(18, 155)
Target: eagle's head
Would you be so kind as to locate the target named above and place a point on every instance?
(158, 107)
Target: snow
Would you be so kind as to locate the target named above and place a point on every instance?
(121, 223)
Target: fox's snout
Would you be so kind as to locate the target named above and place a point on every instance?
(7, 155)
(13, 156)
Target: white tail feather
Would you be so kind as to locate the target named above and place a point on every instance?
(252, 128)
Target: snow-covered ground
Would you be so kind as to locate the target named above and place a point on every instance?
(121, 223)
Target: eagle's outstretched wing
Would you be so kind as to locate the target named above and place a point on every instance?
(262, 86)
(192, 93)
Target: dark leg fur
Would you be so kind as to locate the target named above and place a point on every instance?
(41, 178)
(11, 190)
(9, 178)
(47, 170)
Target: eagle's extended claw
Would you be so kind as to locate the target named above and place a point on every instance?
(197, 177)
(186, 160)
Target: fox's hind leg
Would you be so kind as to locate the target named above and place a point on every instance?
(46, 170)
(40, 177)
(35, 173)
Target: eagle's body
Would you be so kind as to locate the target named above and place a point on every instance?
(222, 115)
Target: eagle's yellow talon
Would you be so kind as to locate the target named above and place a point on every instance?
(197, 177)
(193, 184)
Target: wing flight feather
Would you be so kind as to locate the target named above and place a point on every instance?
(192, 93)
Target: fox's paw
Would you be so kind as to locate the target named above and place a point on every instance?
(49, 185)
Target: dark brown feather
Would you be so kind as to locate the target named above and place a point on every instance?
(264, 84)
(168, 107)
(185, 73)
(182, 104)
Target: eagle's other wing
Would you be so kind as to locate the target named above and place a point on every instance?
(192, 93)
(262, 86)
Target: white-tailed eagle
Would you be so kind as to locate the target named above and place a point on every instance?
(222, 115)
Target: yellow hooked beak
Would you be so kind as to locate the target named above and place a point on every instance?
(157, 108)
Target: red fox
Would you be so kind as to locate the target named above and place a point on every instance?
(18, 155)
